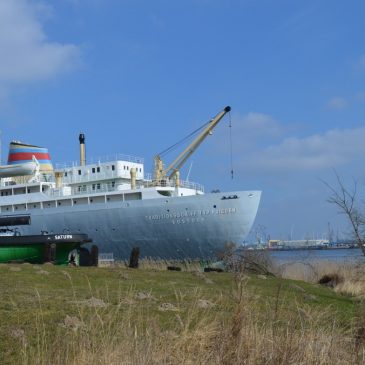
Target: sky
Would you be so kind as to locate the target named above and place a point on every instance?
(137, 76)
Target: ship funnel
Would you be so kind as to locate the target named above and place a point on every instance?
(82, 149)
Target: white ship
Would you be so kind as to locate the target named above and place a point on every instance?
(121, 207)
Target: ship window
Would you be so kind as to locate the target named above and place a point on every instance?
(59, 203)
(28, 190)
(113, 167)
(79, 172)
(65, 173)
(113, 184)
(91, 200)
(127, 167)
(16, 208)
(75, 201)
(98, 186)
(93, 186)
(79, 188)
(98, 169)
(93, 170)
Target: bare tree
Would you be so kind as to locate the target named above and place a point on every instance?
(346, 201)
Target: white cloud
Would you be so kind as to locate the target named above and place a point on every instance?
(335, 147)
(337, 103)
(26, 53)
(253, 127)
(259, 124)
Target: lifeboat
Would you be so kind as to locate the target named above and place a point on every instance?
(24, 169)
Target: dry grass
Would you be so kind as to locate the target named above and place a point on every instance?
(351, 274)
(120, 316)
(161, 264)
(151, 316)
(256, 333)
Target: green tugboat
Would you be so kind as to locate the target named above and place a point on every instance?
(60, 249)
(55, 248)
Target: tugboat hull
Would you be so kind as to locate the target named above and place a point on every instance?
(38, 249)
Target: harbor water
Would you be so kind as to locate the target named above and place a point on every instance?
(353, 255)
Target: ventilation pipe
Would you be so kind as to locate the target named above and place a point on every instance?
(58, 176)
(133, 178)
(177, 178)
(82, 149)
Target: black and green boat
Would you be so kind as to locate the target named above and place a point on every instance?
(55, 248)
(60, 249)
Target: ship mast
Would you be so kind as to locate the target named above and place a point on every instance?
(161, 173)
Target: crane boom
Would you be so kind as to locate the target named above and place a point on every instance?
(173, 168)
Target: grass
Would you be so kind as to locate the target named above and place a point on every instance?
(63, 315)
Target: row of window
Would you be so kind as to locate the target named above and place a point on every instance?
(97, 186)
(97, 169)
(6, 193)
(132, 196)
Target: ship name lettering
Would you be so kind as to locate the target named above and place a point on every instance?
(63, 236)
(189, 216)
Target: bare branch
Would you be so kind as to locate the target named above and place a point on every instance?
(345, 200)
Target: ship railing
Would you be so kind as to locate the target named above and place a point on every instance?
(106, 259)
(17, 180)
(87, 189)
(102, 159)
(66, 191)
(149, 182)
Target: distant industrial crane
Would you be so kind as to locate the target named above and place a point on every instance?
(172, 171)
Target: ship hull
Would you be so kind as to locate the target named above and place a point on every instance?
(196, 226)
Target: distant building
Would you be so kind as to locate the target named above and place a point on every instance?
(281, 244)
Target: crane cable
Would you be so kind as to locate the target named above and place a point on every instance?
(230, 143)
(175, 145)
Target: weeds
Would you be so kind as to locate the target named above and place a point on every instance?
(96, 316)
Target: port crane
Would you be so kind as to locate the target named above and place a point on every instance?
(172, 171)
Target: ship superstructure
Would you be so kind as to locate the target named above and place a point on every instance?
(120, 206)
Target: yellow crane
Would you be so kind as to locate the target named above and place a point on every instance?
(172, 171)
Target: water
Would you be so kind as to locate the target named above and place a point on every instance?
(335, 255)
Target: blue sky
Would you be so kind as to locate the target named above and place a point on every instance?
(136, 76)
